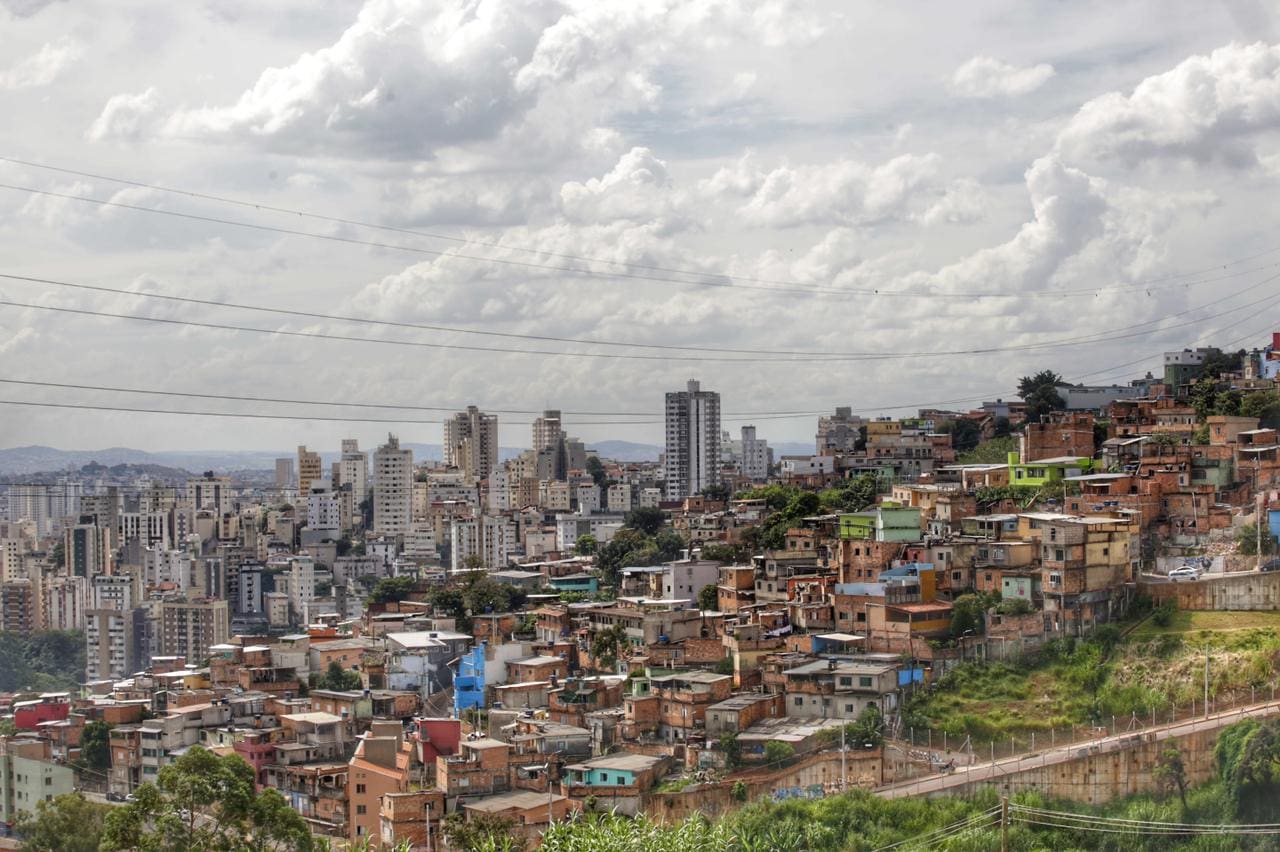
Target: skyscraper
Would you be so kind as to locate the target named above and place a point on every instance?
(471, 442)
(353, 469)
(548, 430)
(310, 469)
(692, 460)
(392, 488)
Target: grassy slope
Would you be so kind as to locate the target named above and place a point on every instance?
(1155, 668)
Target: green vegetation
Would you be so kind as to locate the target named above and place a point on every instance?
(641, 541)
(791, 504)
(205, 802)
(475, 593)
(995, 451)
(67, 823)
(859, 821)
(1022, 495)
(43, 661)
(1247, 539)
(1086, 682)
(1040, 393)
(336, 677)
(95, 746)
(726, 554)
(390, 590)
(708, 597)
(608, 645)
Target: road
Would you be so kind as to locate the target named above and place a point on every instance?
(990, 772)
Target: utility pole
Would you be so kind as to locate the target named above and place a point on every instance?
(1004, 824)
(1206, 683)
(844, 770)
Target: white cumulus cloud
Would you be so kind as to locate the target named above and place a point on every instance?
(987, 77)
(1207, 108)
(42, 67)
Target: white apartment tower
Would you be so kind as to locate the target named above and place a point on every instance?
(692, 460)
(756, 455)
(392, 488)
(471, 442)
(353, 469)
(548, 431)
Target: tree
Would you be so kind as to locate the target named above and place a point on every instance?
(1040, 393)
(481, 831)
(1171, 774)
(205, 802)
(738, 792)
(776, 751)
(995, 451)
(719, 493)
(391, 590)
(58, 554)
(709, 597)
(965, 435)
(725, 554)
(337, 678)
(586, 545)
(66, 823)
(1265, 406)
(732, 749)
(646, 519)
(607, 645)
(95, 746)
(1247, 540)
(595, 467)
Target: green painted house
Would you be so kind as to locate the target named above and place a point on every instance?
(887, 522)
(1046, 471)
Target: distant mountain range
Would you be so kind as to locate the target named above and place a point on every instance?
(36, 459)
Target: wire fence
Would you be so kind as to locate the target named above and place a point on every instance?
(923, 754)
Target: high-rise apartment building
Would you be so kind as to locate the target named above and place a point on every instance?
(310, 469)
(86, 547)
(353, 469)
(756, 455)
(548, 430)
(19, 607)
(324, 516)
(471, 442)
(210, 494)
(692, 460)
(189, 628)
(392, 488)
(113, 642)
(284, 473)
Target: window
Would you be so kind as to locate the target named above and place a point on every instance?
(799, 701)
(359, 789)
(848, 708)
(360, 809)
(864, 681)
(846, 681)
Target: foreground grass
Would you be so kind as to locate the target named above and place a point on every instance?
(860, 822)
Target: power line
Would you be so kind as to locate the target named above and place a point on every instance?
(256, 205)
(754, 415)
(1097, 337)
(712, 279)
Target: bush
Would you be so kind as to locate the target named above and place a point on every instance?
(738, 792)
(777, 752)
(1163, 615)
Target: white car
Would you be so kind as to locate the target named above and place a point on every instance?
(1186, 572)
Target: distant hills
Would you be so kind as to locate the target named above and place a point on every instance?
(37, 459)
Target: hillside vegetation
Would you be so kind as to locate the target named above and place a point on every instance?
(1087, 682)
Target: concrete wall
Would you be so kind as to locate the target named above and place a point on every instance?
(1242, 592)
(1098, 777)
(714, 799)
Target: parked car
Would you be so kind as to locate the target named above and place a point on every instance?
(1271, 565)
(1186, 572)
(115, 797)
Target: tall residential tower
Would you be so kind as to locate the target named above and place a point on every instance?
(692, 461)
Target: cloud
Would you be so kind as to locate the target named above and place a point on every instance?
(842, 192)
(42, 67)
(963, 202)
(1205, 109)
(127, 116)
(637, 189)
(410, 78)
(986, 77)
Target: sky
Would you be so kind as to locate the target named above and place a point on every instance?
(885, 206)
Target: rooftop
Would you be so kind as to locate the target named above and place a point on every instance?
(623, 760)
(524, 800)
